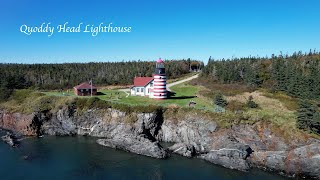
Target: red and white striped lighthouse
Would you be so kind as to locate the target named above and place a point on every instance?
(160, 81)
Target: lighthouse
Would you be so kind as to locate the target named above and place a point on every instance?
(159, 81)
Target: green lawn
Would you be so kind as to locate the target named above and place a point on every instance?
(184, 93)
(108, 95)
(59, 93)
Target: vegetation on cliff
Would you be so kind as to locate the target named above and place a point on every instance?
(297, 75)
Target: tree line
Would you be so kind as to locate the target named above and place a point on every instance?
(298, 74)
(68, 75)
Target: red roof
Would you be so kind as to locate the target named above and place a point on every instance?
(159, 60)
(85, 85)
(142, 81)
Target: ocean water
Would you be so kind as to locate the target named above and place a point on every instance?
(82, 158)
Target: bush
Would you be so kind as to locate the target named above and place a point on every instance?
(45, 103)
(5, 93)
(251, 103)
(219, 100)
(89, 103)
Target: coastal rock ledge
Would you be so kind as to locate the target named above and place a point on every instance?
(138, 145)
(238, 147)
(10, 139)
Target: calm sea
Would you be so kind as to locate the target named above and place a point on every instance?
(81, 158)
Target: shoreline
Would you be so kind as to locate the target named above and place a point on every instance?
(191, 137)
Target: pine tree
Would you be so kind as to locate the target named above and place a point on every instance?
(251, 103)
(219, 100)
(306, 114)
(315, 126)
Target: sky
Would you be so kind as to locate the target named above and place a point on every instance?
(195, 29)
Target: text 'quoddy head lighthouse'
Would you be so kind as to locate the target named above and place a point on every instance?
(153, 87)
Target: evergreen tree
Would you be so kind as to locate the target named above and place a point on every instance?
(315, 126)
(305, 116)
(298, 75)
(219, 100)
(57, 76)
(251, 103)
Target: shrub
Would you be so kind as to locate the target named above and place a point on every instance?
(89, 103)
(219, 100)
(5, 93)
(45, 103)
(251, 103)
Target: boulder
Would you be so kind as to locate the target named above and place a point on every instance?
(10, 139)
(302, 161)
(233, 157)
(183, 149)
(135, 144)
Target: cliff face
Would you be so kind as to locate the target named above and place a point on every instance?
(239, 147)
(17, 122)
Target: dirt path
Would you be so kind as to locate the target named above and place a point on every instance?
(181, 81)
(127, 91)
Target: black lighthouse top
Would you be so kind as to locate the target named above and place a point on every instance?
(160, 70)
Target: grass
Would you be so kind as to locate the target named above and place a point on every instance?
(212, 87)
(289, 102)
(28, 101)
(184, 93)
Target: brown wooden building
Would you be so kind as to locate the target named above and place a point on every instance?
(84, 89)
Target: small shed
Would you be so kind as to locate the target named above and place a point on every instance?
(84, 89)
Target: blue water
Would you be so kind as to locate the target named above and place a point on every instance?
(81, 158)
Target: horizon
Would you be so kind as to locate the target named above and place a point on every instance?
(174, 30)
(205, 61)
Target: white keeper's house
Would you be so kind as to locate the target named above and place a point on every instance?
(153, 87)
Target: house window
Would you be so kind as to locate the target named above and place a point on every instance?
(151, 84)
(148, 90)
(138, 89)
(142, 89)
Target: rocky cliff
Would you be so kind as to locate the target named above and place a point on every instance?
(239, 147)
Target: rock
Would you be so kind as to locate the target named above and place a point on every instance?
(234, 157)
(192, 134)
(183, 149)
(259, 137)
(10, 139)
(303, 161)
(17, 122)
(196, 132)
(25, 157)
(138, 145)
